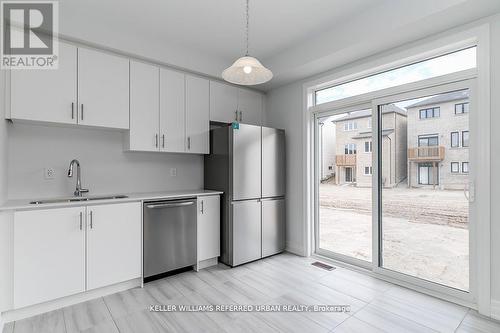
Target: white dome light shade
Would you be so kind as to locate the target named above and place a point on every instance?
(247, 71)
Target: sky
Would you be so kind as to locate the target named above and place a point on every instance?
(450, 63)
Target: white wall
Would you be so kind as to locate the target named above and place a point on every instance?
(106, 168)
(284, 107)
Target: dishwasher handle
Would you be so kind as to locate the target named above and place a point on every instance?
(170, 205)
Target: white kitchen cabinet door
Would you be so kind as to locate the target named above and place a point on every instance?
(249, 107)
(144, 107)
(223, 102)
(103, 89)
(172, 111)
(208, 227)
(197, 115)
(46, 95)
(113, 244)
(49, 254)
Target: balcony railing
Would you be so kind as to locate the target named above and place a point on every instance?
(345, 160)
(426, 154)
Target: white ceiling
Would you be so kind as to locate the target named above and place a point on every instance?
(295, 38)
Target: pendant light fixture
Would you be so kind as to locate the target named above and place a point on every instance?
(247, 70)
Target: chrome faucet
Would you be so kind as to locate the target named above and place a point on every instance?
(79, 190)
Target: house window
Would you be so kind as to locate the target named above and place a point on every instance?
(430, 113)
(368, 146)
(350, 126)
(425, 141)
(455, 167)
(465, 138)
(368, 170)
(461, 108)
(350, 148)
(455, 141)
(369, 123)
(465, 167)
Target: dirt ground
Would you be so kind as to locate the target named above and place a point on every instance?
(425, 231)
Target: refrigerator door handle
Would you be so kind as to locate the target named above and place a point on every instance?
(272, 198)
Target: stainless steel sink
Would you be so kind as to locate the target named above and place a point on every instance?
(78, 199)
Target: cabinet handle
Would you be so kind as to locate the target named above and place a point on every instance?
(82, 111)
(241, 115)
(156, 140)
(189, 143)
(72, 110)
(163, 141)
(81, 221)
(202, 209)
(236, 115)
(91, 220)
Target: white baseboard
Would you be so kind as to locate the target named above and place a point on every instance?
(37, 309)
(495, 309)
(206, 263)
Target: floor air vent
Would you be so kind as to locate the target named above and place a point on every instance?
(323, 266)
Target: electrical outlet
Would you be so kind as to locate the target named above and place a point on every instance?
(49, 173)
(173, 172)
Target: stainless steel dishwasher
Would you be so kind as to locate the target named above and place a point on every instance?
(169, 235)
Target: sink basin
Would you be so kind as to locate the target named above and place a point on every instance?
(77, 199)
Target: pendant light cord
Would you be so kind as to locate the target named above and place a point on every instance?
(248, 19)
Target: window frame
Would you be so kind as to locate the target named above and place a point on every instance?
(468, 138)
(433, 112)
(350, 149)
(463, 109)
(465, 163)
(370, 146)
(370, 171)
(458, 139)
(458, 167)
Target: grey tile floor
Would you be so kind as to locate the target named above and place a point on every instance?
(376, 306)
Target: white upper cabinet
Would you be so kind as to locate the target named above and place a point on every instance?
(144, 107)
(46, 95)
(229, 103)
(249, 107)
(113, 244)
(197, 115)
(172, 111)
(103, 89)
(223, 102)
(49, 254)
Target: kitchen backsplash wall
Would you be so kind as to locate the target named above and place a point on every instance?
(106, 167)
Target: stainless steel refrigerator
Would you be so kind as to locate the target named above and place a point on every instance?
(248, 165)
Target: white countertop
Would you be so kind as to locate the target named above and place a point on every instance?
(24, 204)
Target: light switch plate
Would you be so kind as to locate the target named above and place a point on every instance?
(49, 173)
(173, 172)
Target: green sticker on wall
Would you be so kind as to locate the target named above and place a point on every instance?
(235, 125)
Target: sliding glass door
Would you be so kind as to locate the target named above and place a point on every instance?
(344, 180)
(397, 197)
(424, 168)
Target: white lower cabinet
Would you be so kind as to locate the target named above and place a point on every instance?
(113, 244)
(208, 227)
(49, 254)
(63, 251)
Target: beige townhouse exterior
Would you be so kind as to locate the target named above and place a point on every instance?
(353, 140)
(438, 141)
